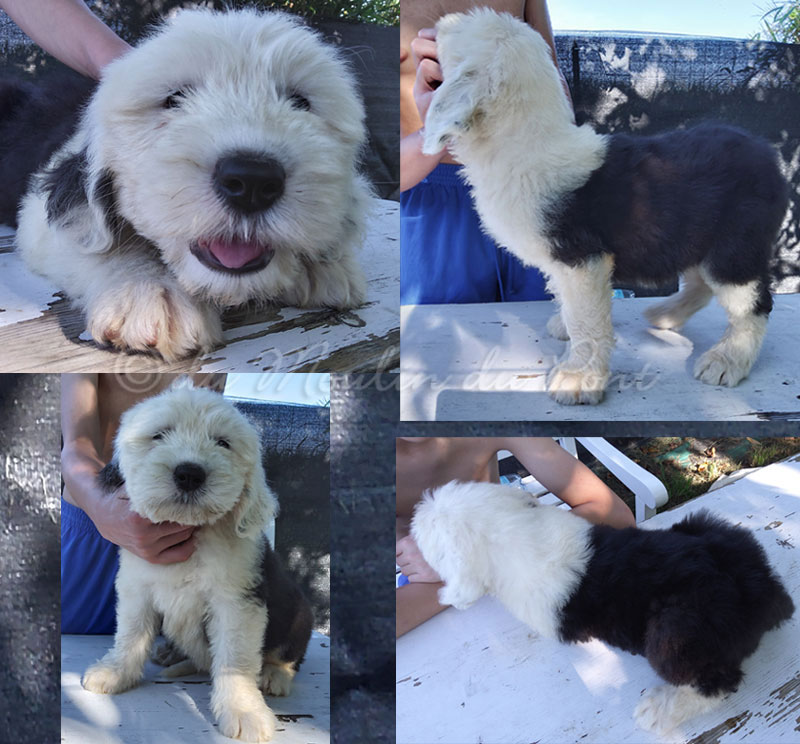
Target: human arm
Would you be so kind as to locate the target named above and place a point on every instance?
(538, 17)
(69, 31)
(82, 460)
(569, 479)
(414, 164)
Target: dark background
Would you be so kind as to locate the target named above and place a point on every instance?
(30, 604)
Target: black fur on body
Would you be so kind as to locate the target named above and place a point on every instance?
(36, 119)
(694, 600)
(290, 619)
(710, 196)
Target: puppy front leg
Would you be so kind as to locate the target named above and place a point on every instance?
(236, 631)
(121, 668)
(584, 294)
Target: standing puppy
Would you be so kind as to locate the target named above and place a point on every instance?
(189, 456)
(694, 599)
(706, 203)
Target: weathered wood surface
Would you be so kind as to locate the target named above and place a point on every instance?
(488, 362)
(173, 711)
(40, 332)
(479, 675)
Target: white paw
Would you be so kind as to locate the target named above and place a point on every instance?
(106, 680)
(248, 725)
(149, 315)
(715, 367)
(650, 711)
(556, 327)
(570, 386)
(277, 680)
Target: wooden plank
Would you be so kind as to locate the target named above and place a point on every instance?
(479, 675)
(40, 332)
(176, 710)
(489, 361)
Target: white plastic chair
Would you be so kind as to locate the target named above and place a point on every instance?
(649, 491)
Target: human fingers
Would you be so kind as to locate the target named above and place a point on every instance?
(423, 49)
(177, 553)
(427, 33)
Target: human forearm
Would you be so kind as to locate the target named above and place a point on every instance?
(414, 164)
(80, 464)
(414, 604)
(69, 31)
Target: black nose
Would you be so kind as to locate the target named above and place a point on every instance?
(249, 184)
(188, 476)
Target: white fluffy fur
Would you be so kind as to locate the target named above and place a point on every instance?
(664, 708)
(531, 557)
(211, 587)
(503, 113)
(146, 290)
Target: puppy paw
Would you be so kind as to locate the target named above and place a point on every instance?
(106, 680)
(649, 714)
(556, 327)
(149, 315)
(665, 316)
(570, 386)
(277, 679)
(715, 367)
(248, 725)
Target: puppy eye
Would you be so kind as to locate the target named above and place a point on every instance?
(224, 443)
(158, 436)
(300, 102)
(174, 99)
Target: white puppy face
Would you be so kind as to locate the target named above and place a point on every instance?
(230, 141)
(188, 456)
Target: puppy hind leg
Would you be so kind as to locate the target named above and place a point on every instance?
(584, 294)
(673, 312)
(277, 675)
(730, 360)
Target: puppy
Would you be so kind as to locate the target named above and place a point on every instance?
(188, 456)
(694, 599)
(706, 203)
(214, 165)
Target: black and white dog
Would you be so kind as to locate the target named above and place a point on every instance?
(694, 599)
(706, 203)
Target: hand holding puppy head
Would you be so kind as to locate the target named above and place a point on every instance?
(429, 72)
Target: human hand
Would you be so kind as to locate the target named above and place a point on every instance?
(164, 543)
(429, 73)
(412, 564)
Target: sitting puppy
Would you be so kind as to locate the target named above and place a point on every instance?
(215, 164)
(189, 456)
(694, 599)
(706, 203)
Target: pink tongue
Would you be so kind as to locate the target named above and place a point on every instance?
(235, 254)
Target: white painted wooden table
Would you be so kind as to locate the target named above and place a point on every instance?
(174, 711)
(488, 362)
(39, 332)
(479, 675)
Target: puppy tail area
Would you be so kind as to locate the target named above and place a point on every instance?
(664, 708)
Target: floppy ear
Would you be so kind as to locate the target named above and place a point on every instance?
(257, 504)
(454, 111)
